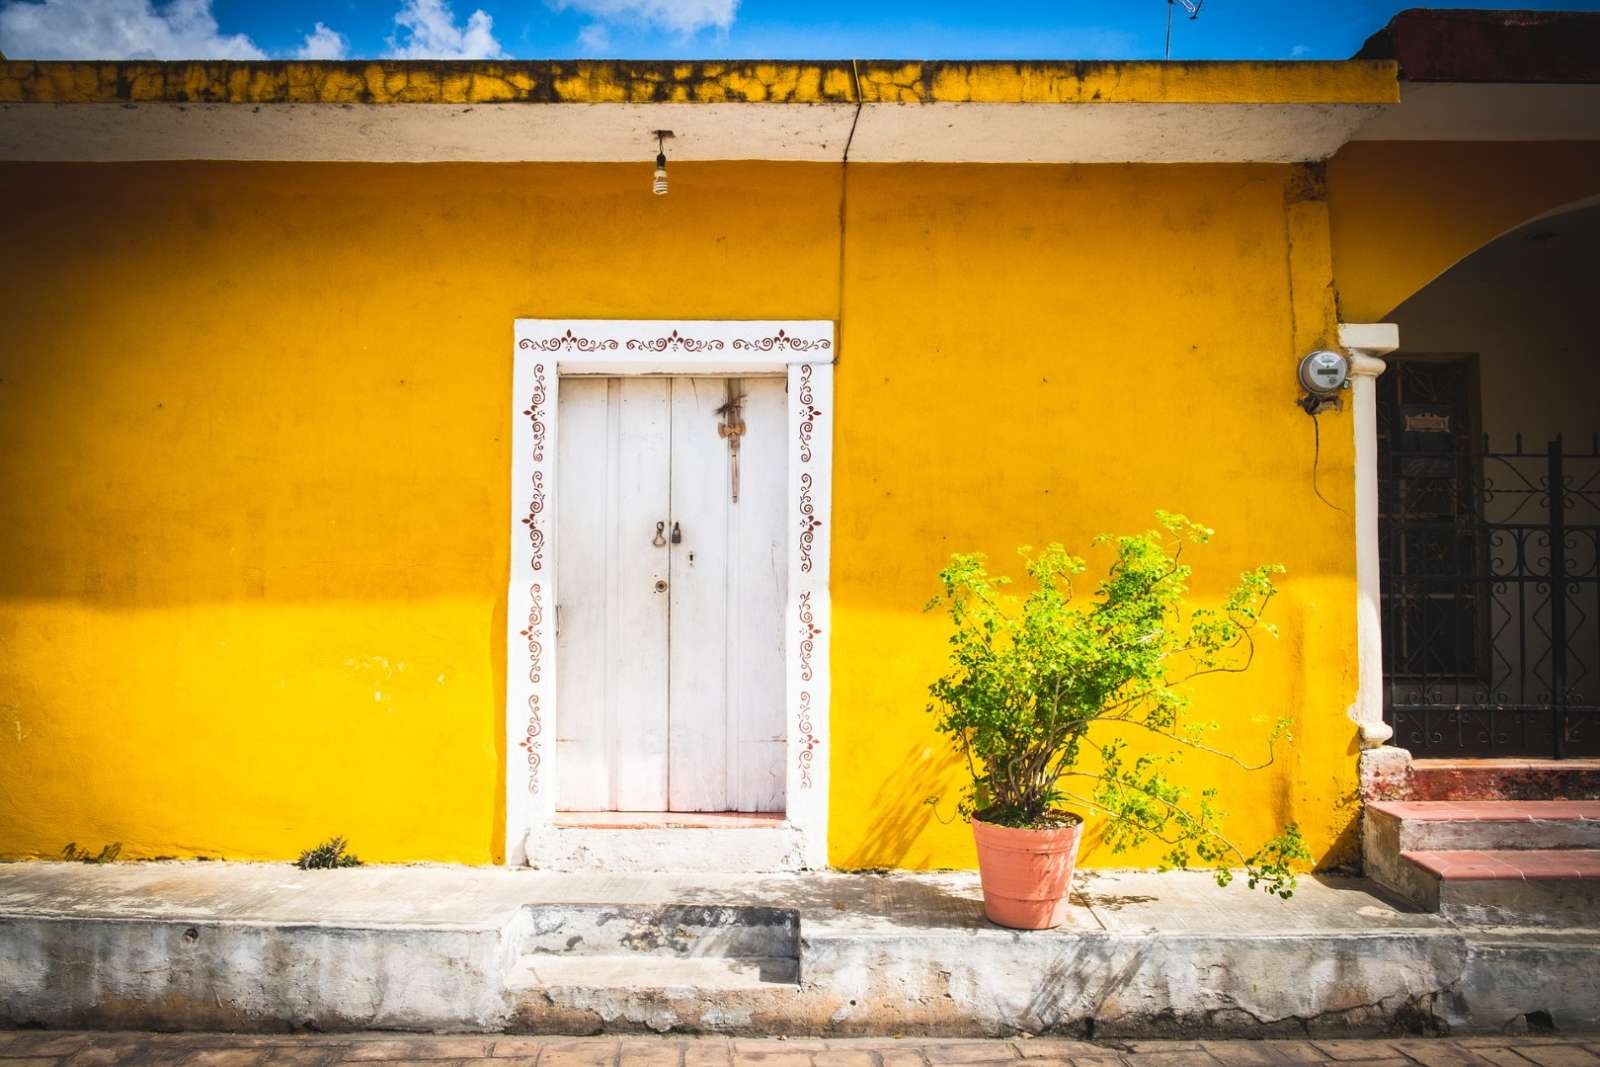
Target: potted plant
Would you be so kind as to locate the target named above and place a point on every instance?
(1045, 693)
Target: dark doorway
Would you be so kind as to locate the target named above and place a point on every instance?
(1489, 580)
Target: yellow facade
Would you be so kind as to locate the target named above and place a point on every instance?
(1404, 212)
(254, 423)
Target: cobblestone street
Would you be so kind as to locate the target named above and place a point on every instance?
(60, 1049)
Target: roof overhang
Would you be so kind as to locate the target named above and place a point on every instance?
(993, 112)
(1469, 75)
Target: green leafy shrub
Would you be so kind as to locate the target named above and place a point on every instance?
(326, 856)
(1044, 693)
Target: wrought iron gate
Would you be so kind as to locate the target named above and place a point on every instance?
(1490, 580)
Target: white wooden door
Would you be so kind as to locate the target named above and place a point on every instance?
(670, 655)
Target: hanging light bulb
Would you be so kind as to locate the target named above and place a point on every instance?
(659, 184)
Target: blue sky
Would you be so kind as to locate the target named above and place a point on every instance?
(777, 29)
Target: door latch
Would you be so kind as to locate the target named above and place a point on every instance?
(677, 534)
(660, 539)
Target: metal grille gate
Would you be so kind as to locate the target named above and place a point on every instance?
(1490, 580)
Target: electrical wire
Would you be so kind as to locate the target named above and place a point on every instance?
(1316, 460)
(844, 196)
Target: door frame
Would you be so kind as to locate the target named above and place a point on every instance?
(545, 350)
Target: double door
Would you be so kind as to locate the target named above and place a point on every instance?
(672, 565)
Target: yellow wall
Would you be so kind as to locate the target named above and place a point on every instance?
(253, 448)
(1404, 211)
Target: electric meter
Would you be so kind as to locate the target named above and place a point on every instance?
(1324, 373)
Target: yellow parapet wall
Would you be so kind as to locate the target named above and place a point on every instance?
(611, 82)
(253, 444)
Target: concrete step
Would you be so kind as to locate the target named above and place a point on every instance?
(568, 994)
(1442, 825)
(1528, 887)
(1505, 779)
(630, 971)
(682, 931)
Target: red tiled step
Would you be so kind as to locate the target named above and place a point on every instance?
(1571, 864)
(1489, 810)
(1505, 779)
(1396, 826)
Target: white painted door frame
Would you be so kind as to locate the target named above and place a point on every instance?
(546, 349)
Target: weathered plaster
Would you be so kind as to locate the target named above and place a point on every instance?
(616, 82)
(236, 947)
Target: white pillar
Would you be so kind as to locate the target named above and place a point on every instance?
(1366, 342)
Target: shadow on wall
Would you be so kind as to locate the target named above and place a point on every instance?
(900, 812)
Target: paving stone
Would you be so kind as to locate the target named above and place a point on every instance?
(601, 1052)
(94, 1057)
(1500, 1056)
(1189, 1057)
(1560, 1055)
(1439, 1053)
(969, 1052)
(30, 1061)
(651, 1053)
(1356, 1050)
(1246, 1053)
(1056, 1047)
(778, 1044)
(708, 1052)
(523, 1047)
(1097, 1059)
(902, 1057)
(306, 1055)
(43, 1043)
(421, 1048)
(843, 1057)
(113, 1051)
(772, 1059)
(225, 1057)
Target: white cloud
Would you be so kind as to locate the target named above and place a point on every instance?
(682, 17)
(1299, 50)
(594, 38)
(324, 43)
(118, 29)
(427, 30)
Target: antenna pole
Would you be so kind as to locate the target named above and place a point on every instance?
(1168, 52)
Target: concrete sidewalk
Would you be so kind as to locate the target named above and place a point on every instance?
(256, 946)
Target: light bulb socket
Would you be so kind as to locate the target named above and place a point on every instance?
(658, 185)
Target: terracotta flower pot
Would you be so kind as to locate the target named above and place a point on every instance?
(1026, 873)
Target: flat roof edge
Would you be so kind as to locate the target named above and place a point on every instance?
(399, 82)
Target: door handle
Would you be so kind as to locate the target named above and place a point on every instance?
(677, 534)
(659, 540)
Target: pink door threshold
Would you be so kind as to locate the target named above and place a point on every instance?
(663, 820)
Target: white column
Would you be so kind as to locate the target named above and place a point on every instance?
(1366, 342)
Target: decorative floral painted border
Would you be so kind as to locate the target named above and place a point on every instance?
(535, 521)
(674, 341)
(546, 350)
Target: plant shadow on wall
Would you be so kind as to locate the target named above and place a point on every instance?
(900, 814)
(1054, 700)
